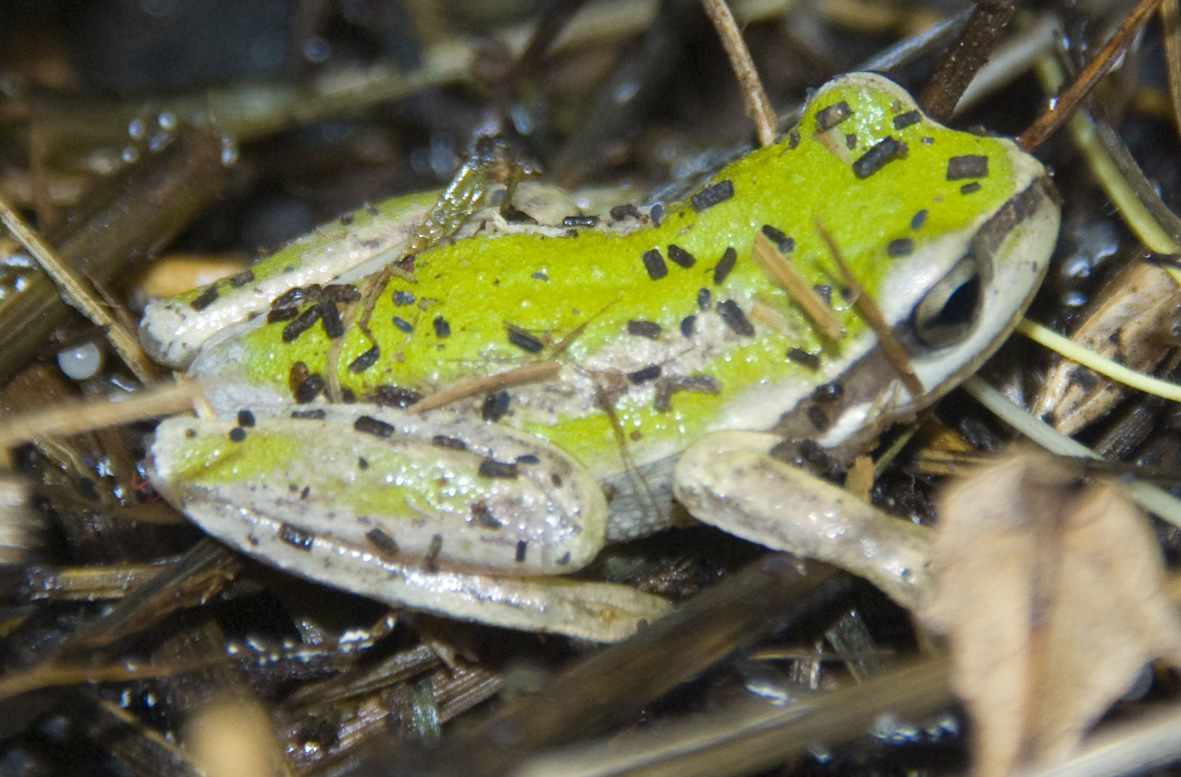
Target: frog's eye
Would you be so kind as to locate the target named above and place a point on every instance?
(948, 311)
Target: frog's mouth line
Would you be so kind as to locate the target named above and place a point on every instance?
(874, 397)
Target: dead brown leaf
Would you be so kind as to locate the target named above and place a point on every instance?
(1049, 590)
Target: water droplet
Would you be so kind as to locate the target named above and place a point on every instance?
(159, 141)
(80, 362)
(821, 754)
(522, 119)
(626, 91)
(229, 151)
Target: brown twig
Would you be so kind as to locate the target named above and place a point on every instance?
(757, 104)
(895, 353)
(1070, 98)
(971, 49)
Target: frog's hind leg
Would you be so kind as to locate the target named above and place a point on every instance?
(731, 480)
(438, 511)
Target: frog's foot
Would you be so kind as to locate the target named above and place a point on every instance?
(600, 612)
(731, 480)
(390, 504)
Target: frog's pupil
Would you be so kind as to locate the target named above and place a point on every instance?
(961, 305)
(946, 315)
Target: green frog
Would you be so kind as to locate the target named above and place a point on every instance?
(520, 393)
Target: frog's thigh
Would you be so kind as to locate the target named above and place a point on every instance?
(729, 480)
(437, 489)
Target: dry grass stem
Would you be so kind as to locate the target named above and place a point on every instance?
(757, 104)
(895, 352)
(781, 271)
(88, 415)
(80, 294)
(530, 373)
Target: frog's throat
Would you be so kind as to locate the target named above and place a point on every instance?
(873, 396)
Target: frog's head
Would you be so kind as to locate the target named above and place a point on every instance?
(982, 226)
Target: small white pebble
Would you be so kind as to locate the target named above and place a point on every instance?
(80, 362)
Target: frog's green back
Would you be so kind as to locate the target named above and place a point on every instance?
(484, 305)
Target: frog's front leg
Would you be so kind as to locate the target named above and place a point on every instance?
(731, 480)
(440, 512)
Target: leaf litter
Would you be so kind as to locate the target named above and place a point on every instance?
(1049, 590)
